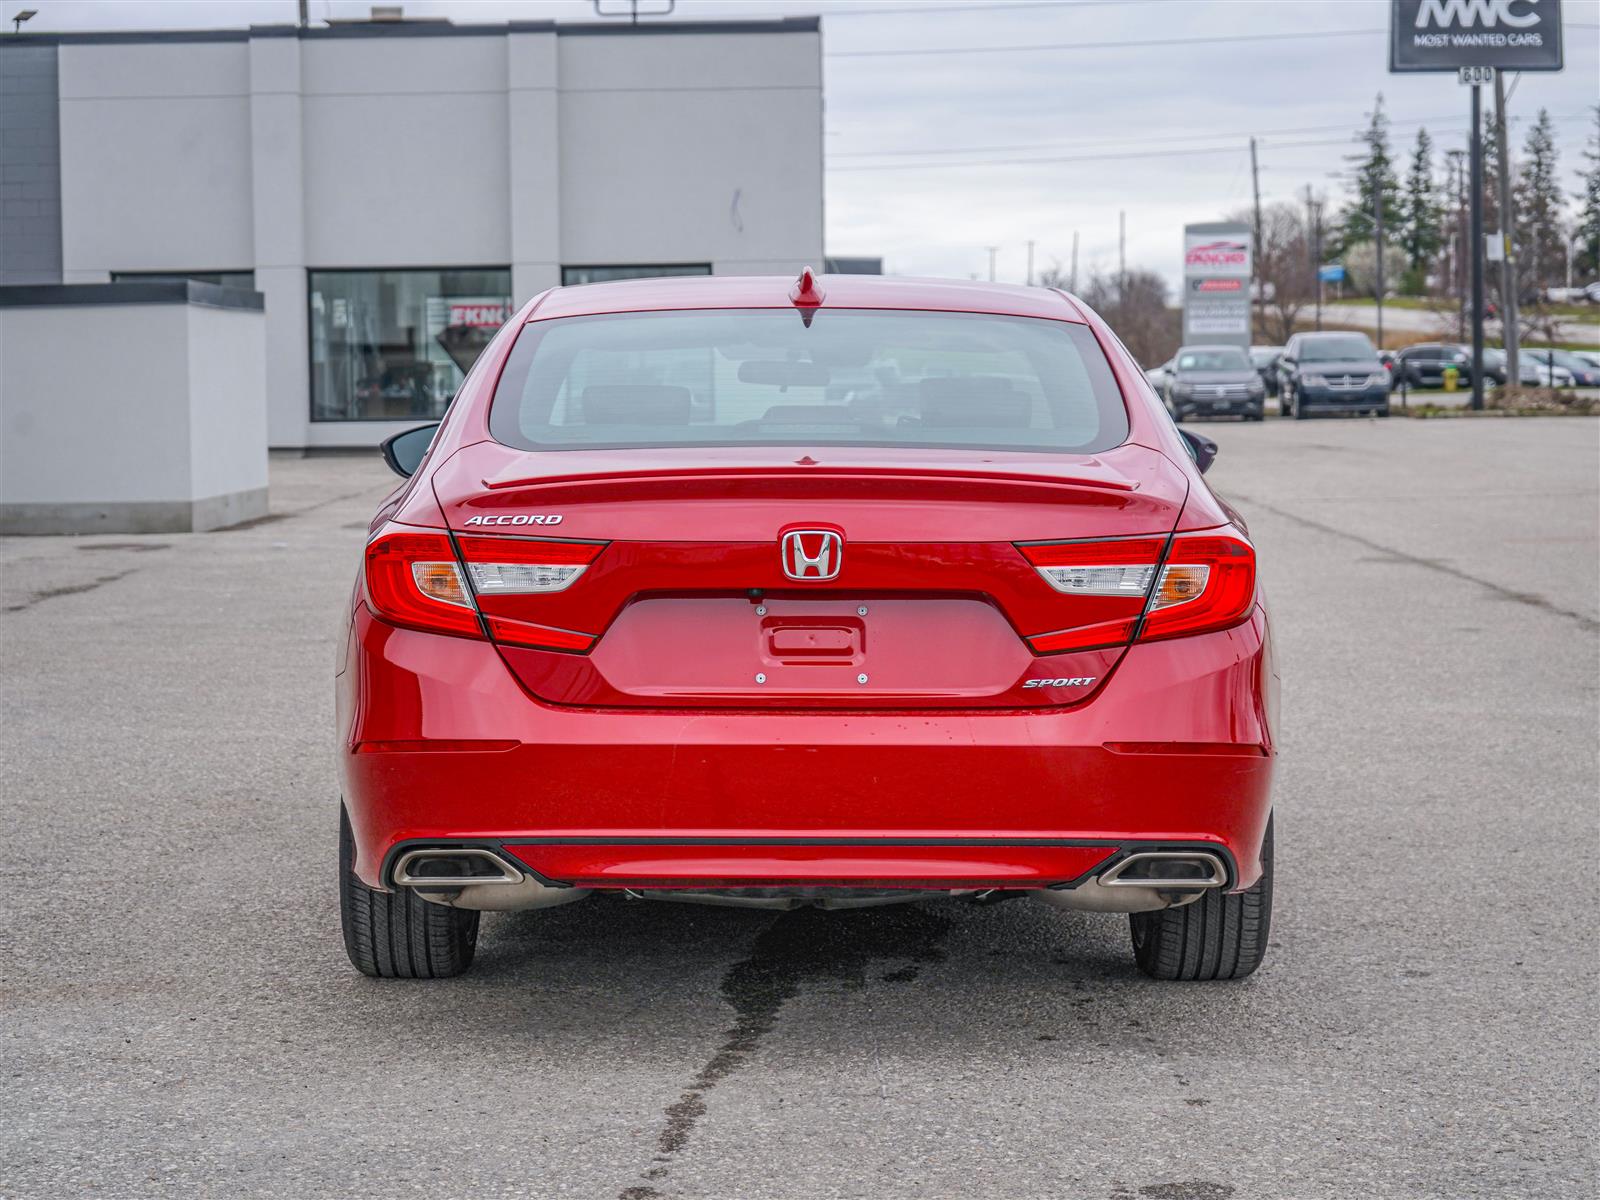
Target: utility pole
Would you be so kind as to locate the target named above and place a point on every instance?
(1072, 280)
(1030, 264)
(1508, 255)
(991, 250)
(305, 13)
(1377, 238)
(1255, 250)
(1314, 246)
(1475, 182)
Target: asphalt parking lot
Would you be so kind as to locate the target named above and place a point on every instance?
(178, 1016)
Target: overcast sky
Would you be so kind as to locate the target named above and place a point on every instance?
(1036, 143)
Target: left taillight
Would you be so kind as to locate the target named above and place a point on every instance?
(414, 580)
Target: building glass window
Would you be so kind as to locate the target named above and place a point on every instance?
(229, 279)
(395, 345)
(575, 275)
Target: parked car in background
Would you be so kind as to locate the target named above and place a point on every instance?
(1592, 357)
(1494, 364)
(1331, 373)
(1535, 373)
(1591, 292)
(1160, 376)
(1583, 372)
(1215, 381)
(1425, 364)
(1389, 359)
(1265, 360)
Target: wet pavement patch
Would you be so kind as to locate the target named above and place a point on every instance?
(801, 945)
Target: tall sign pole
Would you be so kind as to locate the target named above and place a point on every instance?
(1475, 174)
(1476, 40)
(1509, 328)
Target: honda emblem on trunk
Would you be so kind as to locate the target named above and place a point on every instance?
(812, 554)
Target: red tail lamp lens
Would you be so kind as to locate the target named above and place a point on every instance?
(1208, 583)
(1104, 586)
(413, 580)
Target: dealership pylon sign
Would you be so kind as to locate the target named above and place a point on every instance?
(1445, 35)
(1216, 284)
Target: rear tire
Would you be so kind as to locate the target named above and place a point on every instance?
(1219, 936)
(399, 935)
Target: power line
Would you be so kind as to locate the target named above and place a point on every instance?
(1124, 141)
(1231, 39)
(1445, 124)
(1010, 162)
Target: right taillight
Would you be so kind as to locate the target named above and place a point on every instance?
(1113, 590)
(1207, 582)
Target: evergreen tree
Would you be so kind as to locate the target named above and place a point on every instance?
(1589, 205)
(1421, 235)
(1373, 176)
(1541, 239)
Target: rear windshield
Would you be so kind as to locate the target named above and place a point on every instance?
(852, 377)
(1212, 360)
(1333, 349)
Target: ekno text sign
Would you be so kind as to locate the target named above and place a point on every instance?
(1443, 35)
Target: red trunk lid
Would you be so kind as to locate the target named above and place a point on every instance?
(690, 602)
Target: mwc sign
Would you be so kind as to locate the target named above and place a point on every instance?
(1445, 35)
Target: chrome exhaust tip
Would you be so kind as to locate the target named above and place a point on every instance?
(1145, 881)
(1166, 869)
(476, 878)
(452, 867)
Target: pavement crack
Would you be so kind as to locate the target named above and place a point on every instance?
(71, 589)
(1531, 599)
(800, 945)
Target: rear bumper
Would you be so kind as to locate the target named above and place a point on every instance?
(440, 745)
(1245, 407)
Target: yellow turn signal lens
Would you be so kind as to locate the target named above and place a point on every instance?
(440, 581)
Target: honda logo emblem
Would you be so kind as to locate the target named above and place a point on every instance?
(812, 554)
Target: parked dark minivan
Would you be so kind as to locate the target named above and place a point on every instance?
(1331, 373)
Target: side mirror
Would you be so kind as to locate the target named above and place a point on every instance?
(404, 452)
(1201, 448)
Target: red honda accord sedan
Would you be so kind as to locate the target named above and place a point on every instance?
(838, 591)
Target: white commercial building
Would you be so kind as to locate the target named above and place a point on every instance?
(394, 188)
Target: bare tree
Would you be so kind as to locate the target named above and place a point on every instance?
(1138, 312)
(1054, 276)
(1285, 272)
